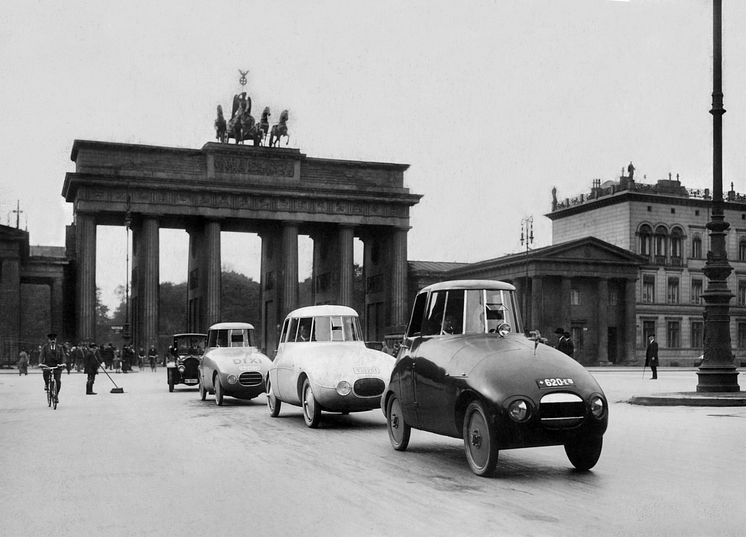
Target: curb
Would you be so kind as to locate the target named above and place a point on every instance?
(690, 399)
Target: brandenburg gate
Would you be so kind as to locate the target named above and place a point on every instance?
(277, 193)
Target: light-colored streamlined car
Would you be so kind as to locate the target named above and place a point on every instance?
(232, 365)
(322, 364)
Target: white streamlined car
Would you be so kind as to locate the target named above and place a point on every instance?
(322, 363)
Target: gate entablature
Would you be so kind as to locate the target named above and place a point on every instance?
(234, 183)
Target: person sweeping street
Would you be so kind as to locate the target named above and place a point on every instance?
(90, 368)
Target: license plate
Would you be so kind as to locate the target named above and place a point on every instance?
(195, 381)
(555, 382)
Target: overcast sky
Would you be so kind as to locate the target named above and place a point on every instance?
(491, 103)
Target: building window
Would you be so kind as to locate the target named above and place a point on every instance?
(659, 241)
(676, 240)
(742, 292)
(648, 289)
(696, 290)
(648, 329)
(574, 297)
(673, 291)
(673, 334)
(697, 247)
(742, 250)
(613, 296)
(741, 335)
(646, 237)
(698, 328)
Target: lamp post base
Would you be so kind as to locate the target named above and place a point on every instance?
(718, 379)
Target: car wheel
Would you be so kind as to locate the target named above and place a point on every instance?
(218, 392)
(311, 410)
(273, 403)
(170, 381)
(479, 440)
(202, 390)
(398, 430)
(584, 452)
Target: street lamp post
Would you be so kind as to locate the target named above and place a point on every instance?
(718, 371)
(527, 237)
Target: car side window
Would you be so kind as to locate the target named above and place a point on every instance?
(284, 332)
(222, 338)
(434, 314)
(321, 329)
(474, 311)
(293, 329)
(418, 311)
(304, 329)
(453, 321)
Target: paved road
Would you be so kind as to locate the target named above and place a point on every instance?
(153, 463)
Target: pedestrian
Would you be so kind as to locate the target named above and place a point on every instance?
(107, 353)
(651, 356)
(140, 358)
(152, 357)
(52, 355)
(564, 342)
(77, 356)
(22, 362)
(91, 363)
(385, 348)
(117, 361)
(68, 361)
(569, 347)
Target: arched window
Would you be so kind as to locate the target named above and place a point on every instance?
(659, 242)
(697, 247)
(677, 236)
(646, 240)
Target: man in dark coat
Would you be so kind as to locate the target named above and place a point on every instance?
(52, 355)
(90, 367)
(651, 356)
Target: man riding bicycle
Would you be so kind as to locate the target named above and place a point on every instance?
(52, 355)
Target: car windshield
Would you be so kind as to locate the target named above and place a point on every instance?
(336, 328)
(231, 337)
(189, 343)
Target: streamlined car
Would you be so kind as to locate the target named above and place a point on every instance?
(465, 370)
(322, 364)
(232, 365)
(182, 361)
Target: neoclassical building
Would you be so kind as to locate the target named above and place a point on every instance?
(665, 224)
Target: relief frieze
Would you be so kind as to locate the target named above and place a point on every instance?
(272, 168)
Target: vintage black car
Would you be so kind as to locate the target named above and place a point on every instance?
(465, 370)
(182, 362)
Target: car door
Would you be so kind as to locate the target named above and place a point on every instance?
(279, 371)
(403, 375)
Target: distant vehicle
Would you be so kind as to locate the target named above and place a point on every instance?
(465, 370)
(182, 361)
(322, 364)
(232, 365)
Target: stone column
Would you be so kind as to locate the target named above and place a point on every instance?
(289, 278)
(630, 320)
(565, 303)
(148, 264)
(399, 280)
(346, 266)
(55, 308)
(212, 265)
(85, 299)
(602, 321)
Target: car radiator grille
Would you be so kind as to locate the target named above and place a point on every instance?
(561, 410)
(191, 368)
(250, 378)
(368, 387)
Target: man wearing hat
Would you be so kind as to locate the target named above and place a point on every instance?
(52, 355)
(90, 367)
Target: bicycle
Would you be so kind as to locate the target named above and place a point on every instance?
(52, 398)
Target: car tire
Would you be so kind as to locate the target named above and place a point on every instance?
(311, 410)
(218, 391)
(398, 429)
(584, 452)
(170, 381)
(480, 442)
(273, 403)
(202, 390)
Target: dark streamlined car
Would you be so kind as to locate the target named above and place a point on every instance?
(466, 370)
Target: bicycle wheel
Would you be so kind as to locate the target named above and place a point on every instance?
(53, 390)
(49, 393)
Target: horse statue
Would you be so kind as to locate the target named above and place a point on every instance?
(263, 127)
(221, 127)
(280, 129)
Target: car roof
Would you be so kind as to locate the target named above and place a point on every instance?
(469, 284)
(322, 310)
(226, 326)
(183, 334)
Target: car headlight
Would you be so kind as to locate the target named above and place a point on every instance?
(504, 329)
(519, 410)
(598, 408)
(181, 369)
(232, 379)
(343, 387)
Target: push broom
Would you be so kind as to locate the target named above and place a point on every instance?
(115, 389)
